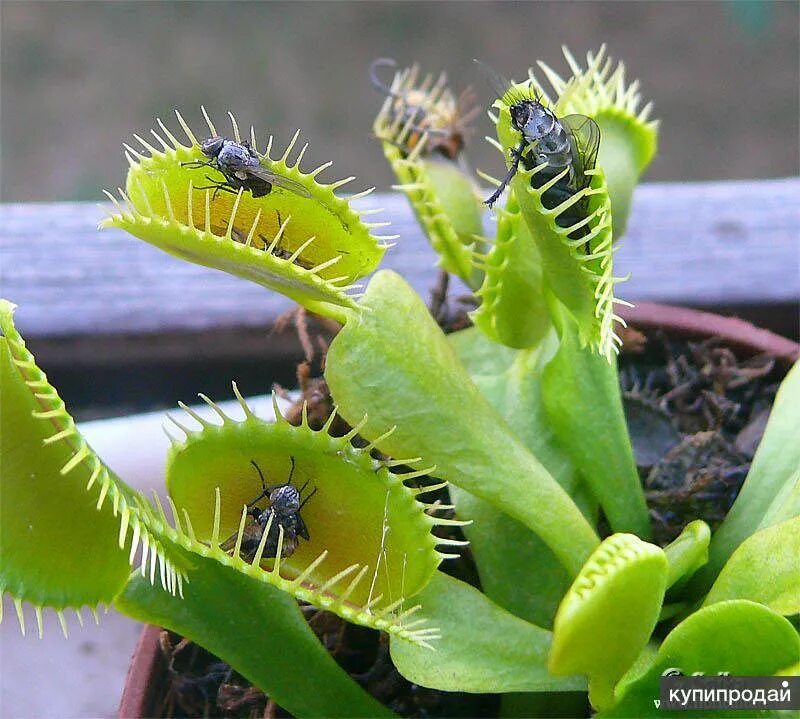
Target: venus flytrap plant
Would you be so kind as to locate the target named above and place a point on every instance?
(519, 419)
(61, 503)
(630, 138)
(421, 127)
(310, 248)
(347, 566)
(512, 279)
(576, 285)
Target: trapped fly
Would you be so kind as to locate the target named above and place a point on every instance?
(241, 167)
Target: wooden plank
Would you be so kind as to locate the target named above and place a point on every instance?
(702, 244)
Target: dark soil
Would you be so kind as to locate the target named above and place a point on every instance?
(696, 413)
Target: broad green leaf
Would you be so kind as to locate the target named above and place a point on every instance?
(765, 568)
(688, 552)
(739, 637)
(786, 504)
(773, 474)
(483, 648)
(394, 365)
(581, 394)
(259, 630)
(516, 568)
(479, 355)
(64, 518)
(607, 616)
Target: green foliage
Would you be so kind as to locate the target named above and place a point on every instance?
(442, 194)
(59, 504)
(629, 137)
(361, 561)
(739, 637)
(499, 543)
(772, 489)
(520, 416)
(513, 278)
(409, 378)
(688, 552)
(606, 617)
(281, 654)
(472, 661)
(580, 393)
(310, 248)
(765, 568)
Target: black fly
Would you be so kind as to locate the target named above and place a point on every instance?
(241, 167)
(569, 142)
(284, 508)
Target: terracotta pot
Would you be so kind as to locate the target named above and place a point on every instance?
(148, 666)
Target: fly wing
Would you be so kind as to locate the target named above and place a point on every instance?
(585, 140)
(302, 530)
(251, 534)
(262, 173)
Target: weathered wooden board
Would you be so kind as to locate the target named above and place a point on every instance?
(706, 244)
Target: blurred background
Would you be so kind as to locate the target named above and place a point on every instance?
(79, 77)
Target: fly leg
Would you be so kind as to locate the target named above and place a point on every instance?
(198, 163)
(516, 153)
(218, 186)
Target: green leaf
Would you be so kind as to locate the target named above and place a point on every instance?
(308, 244)
(578, 271)
(483, 647)
(369, 547)
(765, 568)
(773, 474)
(64, 518)
(513, 280)
(479, 355)
(259, 630)
(687, 552)
(786, 503)
(395, 365)
(739, 637)
(517, 570)
(608, 614)
(628, 138)
(581, 394)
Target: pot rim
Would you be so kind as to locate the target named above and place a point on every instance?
(139, 692)
(687, 322)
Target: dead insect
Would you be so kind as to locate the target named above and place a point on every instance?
(241, 167)
(434, 112)
(567, 143)
(285, 503)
